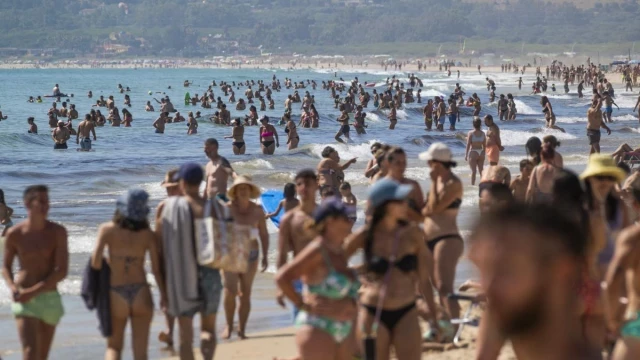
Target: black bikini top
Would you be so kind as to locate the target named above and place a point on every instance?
(407, 264)
(455, 204)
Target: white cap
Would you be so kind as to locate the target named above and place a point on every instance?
(437, 152)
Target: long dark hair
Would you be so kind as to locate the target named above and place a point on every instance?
(378, 215)
(533, 147)
(611, 203)
(2, 197)
(129, 224)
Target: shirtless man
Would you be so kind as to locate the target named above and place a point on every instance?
(41, 249)
(60, 136)
(622, 281)
(428, 114)
(595, 121)
(85, 129)
(294, 235)
(608, 101)
(535, 306)
(160, 122)
(73, 113)
(217, 172)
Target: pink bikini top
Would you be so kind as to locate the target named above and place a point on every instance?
(266, 134)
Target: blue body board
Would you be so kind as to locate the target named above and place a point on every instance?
(270, 200)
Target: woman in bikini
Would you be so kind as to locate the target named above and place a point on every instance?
(395, 265)
(397, 165)
(100, 120)
(237, 134)
(540, 189)
(268, 137)
(127, 118)
(511, 105)
(292, 134)
(315, 118)
(245, 212)
(253, 116)
(328, 306)
(549, 115)
(475, 102)
(476, 143)
(440, 225)
(128, 239)
(305, 119)
(393, 117)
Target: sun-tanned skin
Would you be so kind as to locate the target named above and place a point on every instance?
(40, 246)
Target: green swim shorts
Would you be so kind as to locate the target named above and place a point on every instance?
(46, 307)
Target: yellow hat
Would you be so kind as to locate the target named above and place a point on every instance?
(603, 165)
(243, 180)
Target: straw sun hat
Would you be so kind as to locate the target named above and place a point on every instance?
(603, 165)
(243, 180)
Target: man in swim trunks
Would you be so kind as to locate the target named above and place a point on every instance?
(60, 136)
(41, 249)
(85, 129)
(160, 122)
(428, 114)
(494, 143)
(530, 259)
(217, 172)
(595, 121)
(622, 281)
(608, 101)
(294, 235)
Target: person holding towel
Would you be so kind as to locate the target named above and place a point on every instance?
(191, 288)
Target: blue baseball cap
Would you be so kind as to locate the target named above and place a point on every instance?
(134, 205)
(385, 190)
(332, 206)
(191, 173)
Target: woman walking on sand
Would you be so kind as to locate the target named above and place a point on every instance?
(441, 226)
(395, 264)
(128, 239)
(328, 308)
(476, 143)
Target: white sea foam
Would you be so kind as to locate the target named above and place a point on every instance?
(524, 108)
(253, 164)
(515, 138)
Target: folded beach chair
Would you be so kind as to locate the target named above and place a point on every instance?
(467, 318)
(631, 159)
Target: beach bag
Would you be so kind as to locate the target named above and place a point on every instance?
(222, 243)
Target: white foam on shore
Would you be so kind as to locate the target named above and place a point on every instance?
(253, 164)
(360, 150)
(524, 108)
(518, 138)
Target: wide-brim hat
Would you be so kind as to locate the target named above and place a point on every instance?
(243, 180)
(603, 165)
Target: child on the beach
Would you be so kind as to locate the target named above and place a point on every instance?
(5, 214)
(289, 202)
(349, 200)
(521, 182)
(327, 192)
